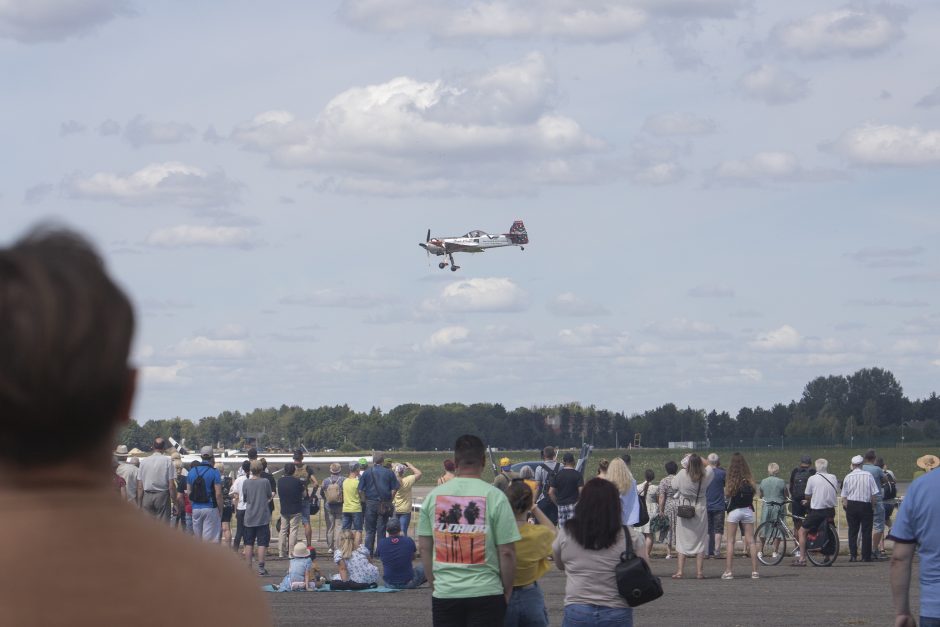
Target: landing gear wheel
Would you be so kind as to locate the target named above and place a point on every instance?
(454, 268)
(442, 265)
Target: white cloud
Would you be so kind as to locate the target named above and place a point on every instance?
(32, 21)
(751, 374)
(888, 145)
(169, 183)
(654, 163)
(773, 85)
(330, 297)
(71, 127)
(592, 340)
(447, 339)
(768, 167)
(141, 132)
(164, 374)
(930, 100)
(683, 329)
(711, 291)
(498, 130)
(857, 29)
(786, 338)
(674, 124)
(480, 295)
(202, 346)
(569, 304)
(186, 235)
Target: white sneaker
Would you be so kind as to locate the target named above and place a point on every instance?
(760, 554)
(796, 552)
(775, 555)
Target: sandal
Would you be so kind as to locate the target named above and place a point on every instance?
(727, 575)
(798, 563)
(700, 576)
(677, 576)
(755, 575)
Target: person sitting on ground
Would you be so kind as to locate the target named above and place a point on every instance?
(397, 553)
(66, 330)
(505, 475)
(449, 469)
(403, 497)
(739, 493)
(588, 550)
(527, 603)
(566, 488)
(353, 561)
(302, 573)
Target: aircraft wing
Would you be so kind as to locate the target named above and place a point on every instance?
(461, 248)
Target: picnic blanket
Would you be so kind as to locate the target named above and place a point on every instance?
(273, 588)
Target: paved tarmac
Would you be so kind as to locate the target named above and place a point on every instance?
(843, 594)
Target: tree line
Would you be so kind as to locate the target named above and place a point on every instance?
(864, 406)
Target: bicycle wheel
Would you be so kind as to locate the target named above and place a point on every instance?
(826, 555)
(766, 537)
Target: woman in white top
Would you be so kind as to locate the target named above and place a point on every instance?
(649, 491)
(588, 549)
(692, 533)
(619, 474)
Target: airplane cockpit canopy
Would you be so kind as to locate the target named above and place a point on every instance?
(477, 233)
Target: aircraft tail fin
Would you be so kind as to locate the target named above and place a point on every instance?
(517, 233)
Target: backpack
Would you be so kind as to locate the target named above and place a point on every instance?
(551, 474)
(199, 492)
(800, 477)
(334, 494)
(891, 489)
(644, 512)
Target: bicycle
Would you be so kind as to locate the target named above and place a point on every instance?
(778, 533)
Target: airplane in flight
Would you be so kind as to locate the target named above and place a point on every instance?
(473, 242)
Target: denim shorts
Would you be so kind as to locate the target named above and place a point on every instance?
(878, 520)
(352, 521)
(305, 513)
(597, 616)
(741, 515)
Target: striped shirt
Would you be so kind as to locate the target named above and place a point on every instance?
(859, 485)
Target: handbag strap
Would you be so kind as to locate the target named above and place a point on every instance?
(698, 491)
(628, 554)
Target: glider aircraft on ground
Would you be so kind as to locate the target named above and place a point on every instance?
(473, 242)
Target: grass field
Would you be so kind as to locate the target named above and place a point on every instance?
(900, 460)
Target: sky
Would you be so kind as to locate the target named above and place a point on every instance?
(724, 198)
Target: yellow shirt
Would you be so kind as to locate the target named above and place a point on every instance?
(403, 496)
(351, 502)
(532, 553)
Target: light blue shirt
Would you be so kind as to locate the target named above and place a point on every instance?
(630, 506)
(917, 522)
(879, 476)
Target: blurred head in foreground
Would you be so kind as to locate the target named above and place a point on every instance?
(65, 333)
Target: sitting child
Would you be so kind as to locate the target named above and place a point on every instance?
(354, 564)
(302, 573)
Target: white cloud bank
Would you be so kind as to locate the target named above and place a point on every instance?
(768, 167)
(35, 21)
(171, 183)
(888, 145)
(856, 29)
(202, 346)
(142, 132)
(186, 235)
(481, 295)
(773, 85)
(494, 132)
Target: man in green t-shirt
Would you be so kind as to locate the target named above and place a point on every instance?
(466, 533)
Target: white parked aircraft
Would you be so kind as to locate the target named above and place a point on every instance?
(473, 242)
(232, 459)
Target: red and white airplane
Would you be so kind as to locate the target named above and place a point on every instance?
(473, 242)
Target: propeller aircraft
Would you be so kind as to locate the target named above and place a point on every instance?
(473, 242)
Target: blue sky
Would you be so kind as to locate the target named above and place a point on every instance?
(724, 198)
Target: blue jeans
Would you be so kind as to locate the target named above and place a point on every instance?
(597, 616)
(526, 608)
(419, 579)
(375, 525)
(352, 521)
(404, 520)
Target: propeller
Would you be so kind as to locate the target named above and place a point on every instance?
(428, 252)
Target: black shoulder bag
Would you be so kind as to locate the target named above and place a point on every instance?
(686, 510)
(644, 512)
(636, 583)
